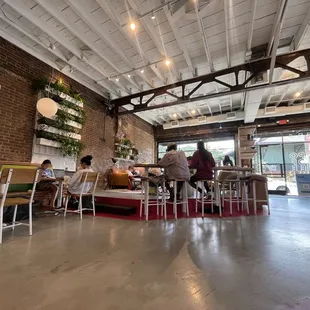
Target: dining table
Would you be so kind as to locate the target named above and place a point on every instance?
(148, 167)
(60, 181)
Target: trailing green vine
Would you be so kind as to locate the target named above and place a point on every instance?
(57, 124)
(64, 116)
(41, 83)
(81, 118)
(69, 146)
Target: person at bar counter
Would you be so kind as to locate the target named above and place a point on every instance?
(74, 185)
(176, 167)
(203, 162)
(48, 173)
(227, 161)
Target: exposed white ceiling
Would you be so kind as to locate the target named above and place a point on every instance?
(92, 42)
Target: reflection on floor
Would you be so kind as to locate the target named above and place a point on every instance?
(124, 199)
(100, 263)
(119, 193)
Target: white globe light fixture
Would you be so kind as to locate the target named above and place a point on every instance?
(47, 107)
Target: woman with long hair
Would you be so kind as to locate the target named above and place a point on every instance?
(227, 161)
(203, 162)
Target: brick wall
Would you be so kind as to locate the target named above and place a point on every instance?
(17, 109)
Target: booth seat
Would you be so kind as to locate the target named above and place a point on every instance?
(118, 178)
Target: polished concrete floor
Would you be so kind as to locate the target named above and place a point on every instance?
(235, 264)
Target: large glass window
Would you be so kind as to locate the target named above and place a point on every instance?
(219, 148)
(282, 158)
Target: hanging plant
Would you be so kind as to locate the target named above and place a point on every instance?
(40, 84)
(56, 123)
(126, 142)
(64, 116)
(69, 146)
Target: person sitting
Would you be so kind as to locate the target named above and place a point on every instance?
(132, 172)
(176, 167)
(48, 173)
(203, 162)
(227, 161)
(75, 186)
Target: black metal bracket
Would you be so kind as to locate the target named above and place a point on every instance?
(253, 68)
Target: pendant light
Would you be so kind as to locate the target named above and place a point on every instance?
(47, 107)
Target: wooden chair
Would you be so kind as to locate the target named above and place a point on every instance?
(17, 176)
(87, 177)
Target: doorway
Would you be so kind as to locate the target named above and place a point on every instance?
(281, 158)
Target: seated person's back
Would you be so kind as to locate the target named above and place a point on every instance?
(75, 186)
(175, 163)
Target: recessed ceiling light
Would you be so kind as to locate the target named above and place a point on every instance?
(117, 79)
(142, 71)
(133, 26)
(129, 75)
(297, 94)
(175, 115)
(193, 111)
(167, 62)
(153, 16)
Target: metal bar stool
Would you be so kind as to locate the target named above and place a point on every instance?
(201, 200)
(145, 198)
(184, 200)
(241, 192)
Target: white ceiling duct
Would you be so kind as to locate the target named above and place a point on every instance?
(281, 111)
(307, 106)
(231, 115)
(270, 110)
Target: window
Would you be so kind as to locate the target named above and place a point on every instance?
(219, 148)
(282, 157)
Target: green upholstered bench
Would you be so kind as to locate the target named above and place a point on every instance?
(17, 190)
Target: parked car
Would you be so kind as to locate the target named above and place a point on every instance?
(279, 185)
